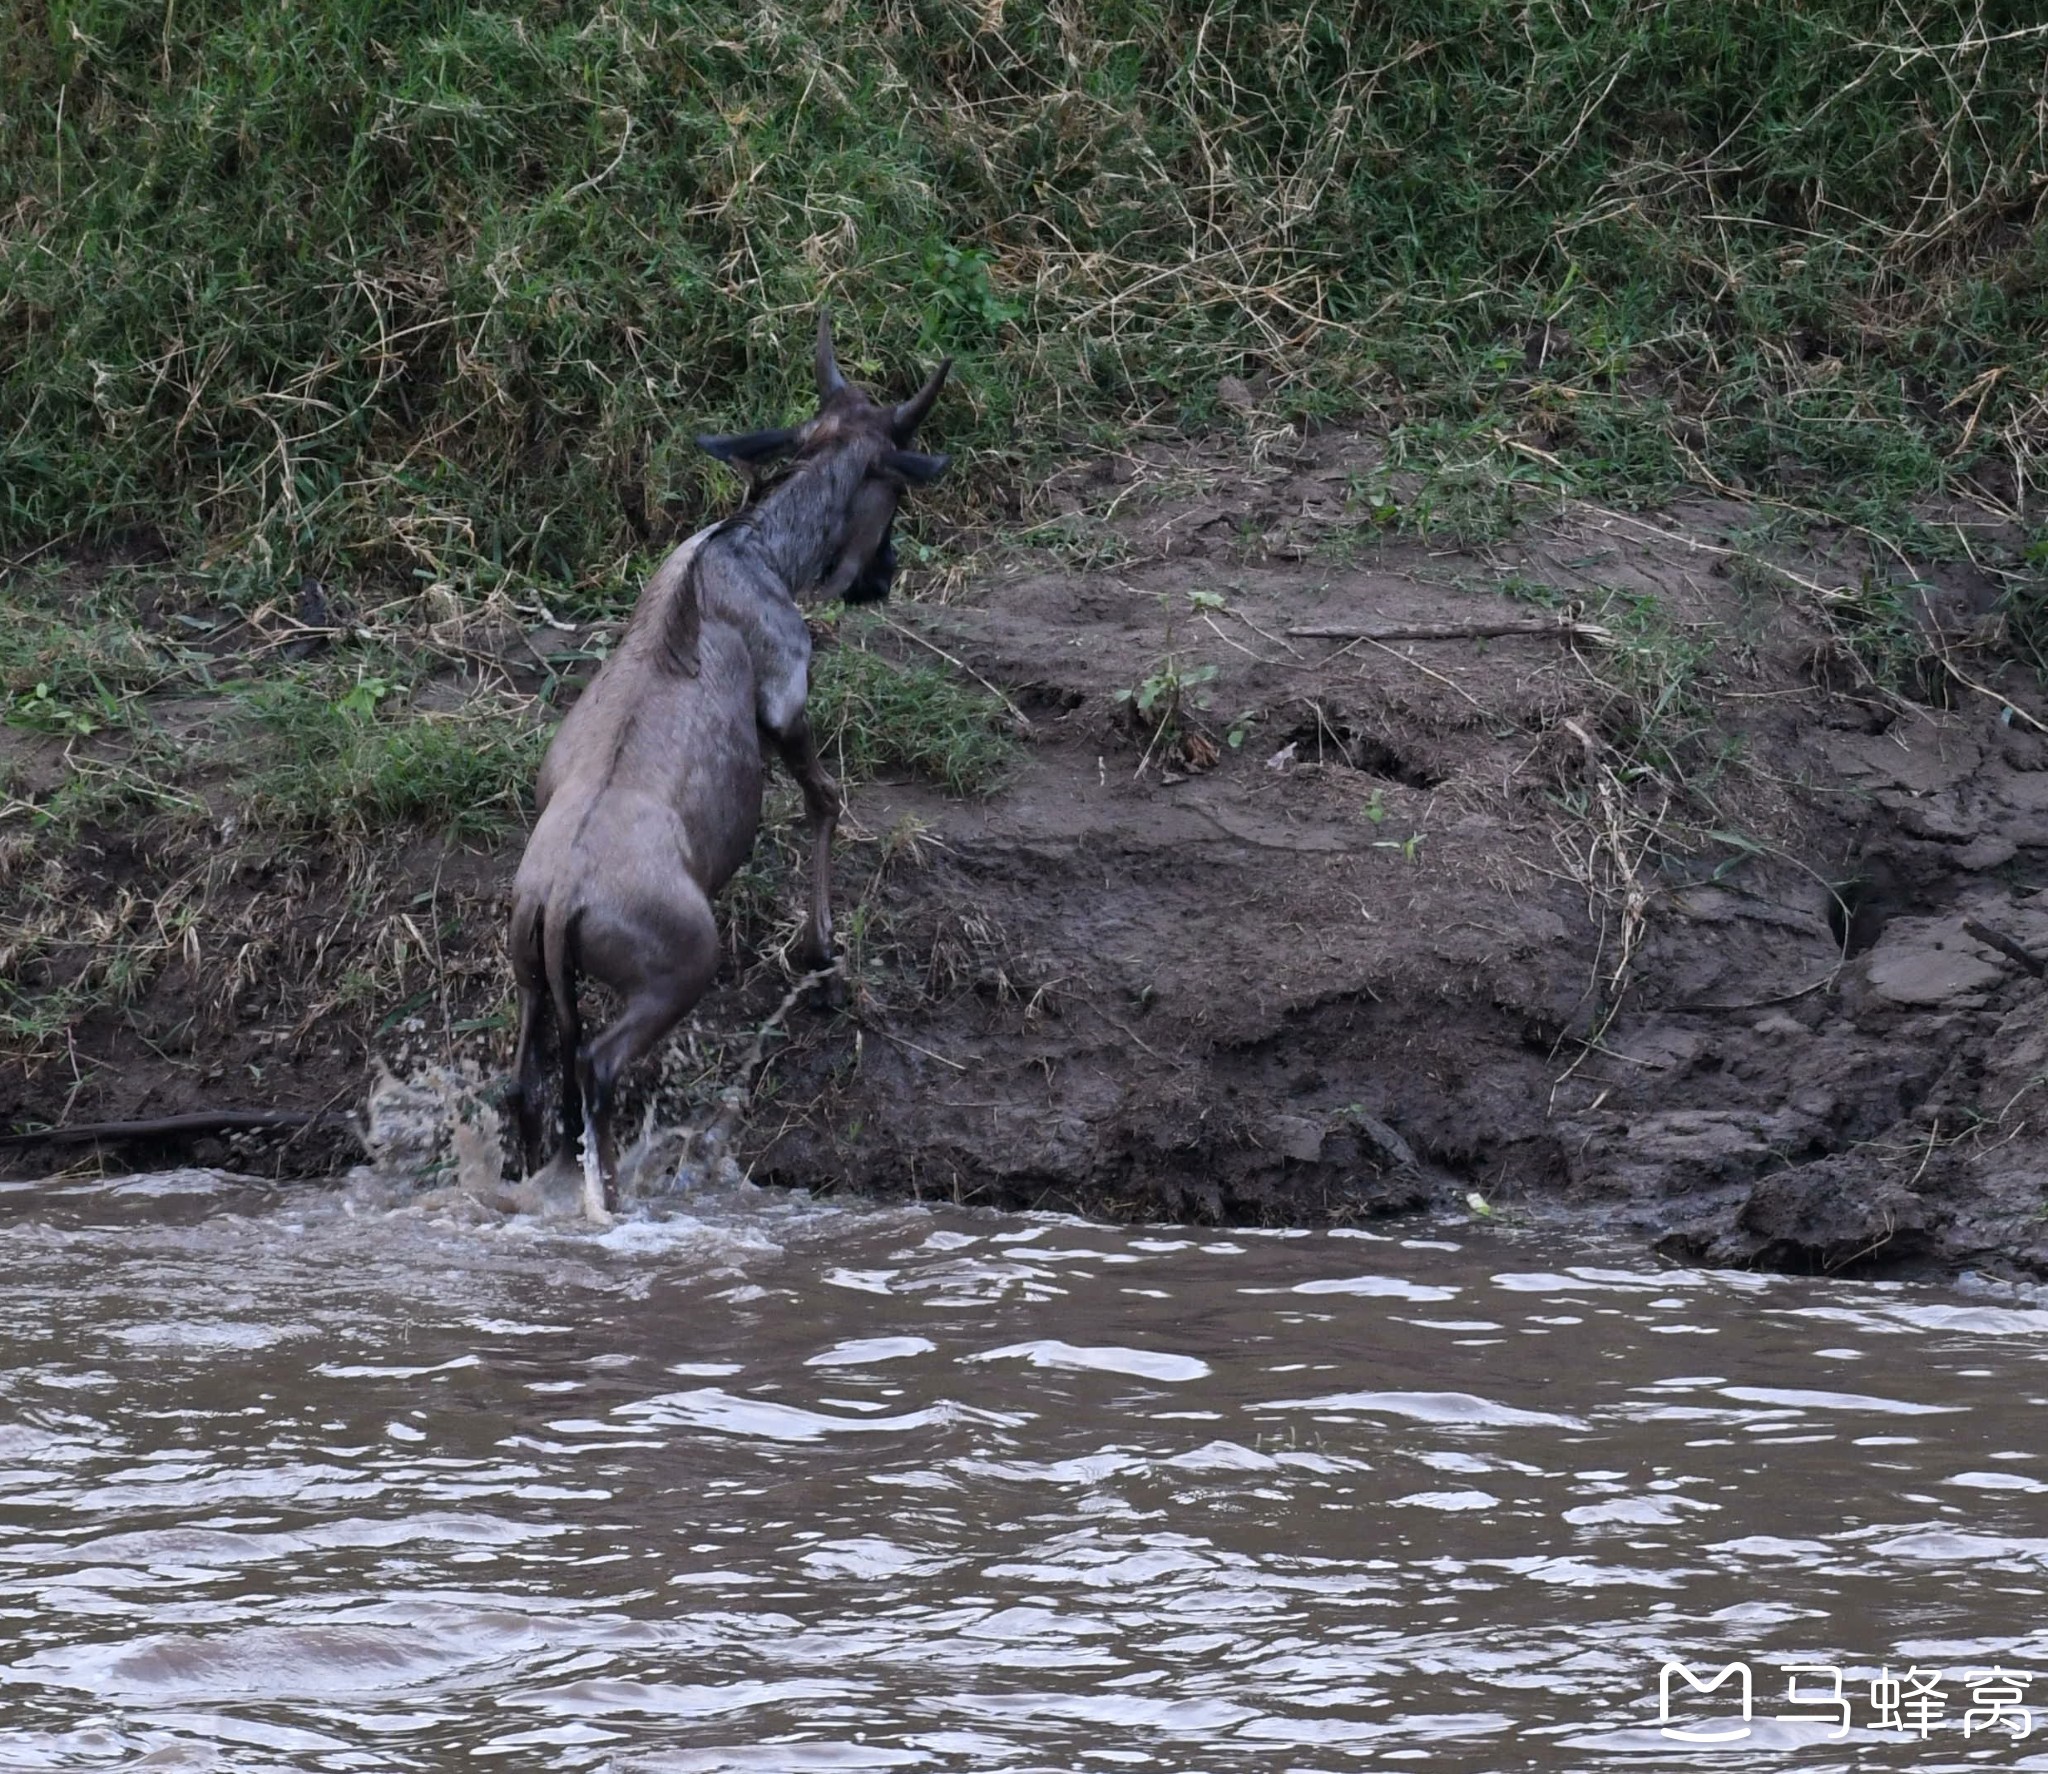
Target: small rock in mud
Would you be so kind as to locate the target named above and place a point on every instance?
(1830, 1214)
(1837, 1213)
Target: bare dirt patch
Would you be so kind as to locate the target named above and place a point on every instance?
(1629, 888)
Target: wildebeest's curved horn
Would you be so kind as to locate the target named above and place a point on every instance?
(909, 414)
(830, 381)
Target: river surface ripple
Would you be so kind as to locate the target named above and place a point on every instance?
(774, 1484)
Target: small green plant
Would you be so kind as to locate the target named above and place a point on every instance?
(1162, 703)
(1163, 696)
(1374, 495)
(41, 711)
(961, 306)
(362, 700)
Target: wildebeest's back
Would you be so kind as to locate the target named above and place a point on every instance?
(652, 763)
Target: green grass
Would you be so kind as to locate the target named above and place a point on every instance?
(335, 763)
(873, 716)
(419, 288)
(73, 666)
(307, 748)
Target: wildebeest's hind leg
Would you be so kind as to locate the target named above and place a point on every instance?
(560, 967)
(526, 1076)
(528, 974)
(822, 806)
(667, 960)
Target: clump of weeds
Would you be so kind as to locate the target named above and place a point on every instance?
(1167, 708)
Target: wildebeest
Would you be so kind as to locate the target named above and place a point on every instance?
(650, 794)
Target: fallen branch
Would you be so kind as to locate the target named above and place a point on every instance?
(1968, 683)
(1460, 631)
(2005, 945)
(161, 1126)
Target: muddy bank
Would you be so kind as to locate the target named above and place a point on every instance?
(1339, 873)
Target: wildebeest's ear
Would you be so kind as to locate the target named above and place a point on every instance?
(914, 466)
(750, 448)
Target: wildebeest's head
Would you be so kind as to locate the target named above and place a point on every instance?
(862, 561)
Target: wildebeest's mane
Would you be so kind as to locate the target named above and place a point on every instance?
(683, 621)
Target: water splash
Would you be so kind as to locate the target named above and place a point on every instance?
(433, 1137)
(435, 1140)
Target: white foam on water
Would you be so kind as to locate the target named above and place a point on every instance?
(1381, 1287)
(1448, 1500)
(713, 1408)
(1953, 1546)
(1638, 1512)
(188, 1336)
(1223, 1456)
(1798, 1398)
(864, 1351)
(1457, 1409)
(599, 1697)
(1595, 1280)
(1141, 1364)
(1996, 1481)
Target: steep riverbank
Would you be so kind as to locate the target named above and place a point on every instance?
(1337, 868)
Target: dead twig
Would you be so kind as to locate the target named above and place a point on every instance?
(1457, 631)
(910, 634)
(1417, 665)
(1813, 985)
(2006, 946)
(162, 1126)
(1969, 683)
(1614, 873)
(912, 1047)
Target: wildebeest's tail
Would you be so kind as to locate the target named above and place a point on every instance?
(542, 948)
(558, 964)
(522, 942)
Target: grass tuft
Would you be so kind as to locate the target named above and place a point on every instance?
(874, 715)
(330, 765)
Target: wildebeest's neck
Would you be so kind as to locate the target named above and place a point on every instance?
(798, 529)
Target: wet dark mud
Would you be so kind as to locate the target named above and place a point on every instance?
(1340, 871)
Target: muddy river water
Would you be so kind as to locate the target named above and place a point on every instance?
(773, 1484)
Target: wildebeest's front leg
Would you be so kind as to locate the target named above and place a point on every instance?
(822, 805)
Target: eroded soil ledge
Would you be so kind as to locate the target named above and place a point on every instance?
(1654, 908)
